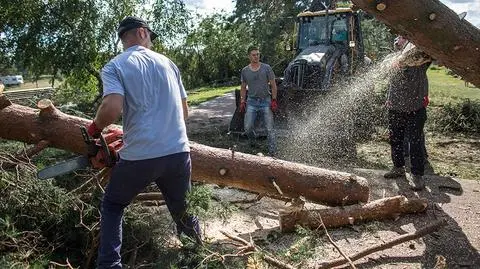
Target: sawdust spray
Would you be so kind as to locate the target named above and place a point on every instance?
(328, 126)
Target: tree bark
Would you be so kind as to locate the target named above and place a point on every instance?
(219, 166)
(435, 29)
(336, 217)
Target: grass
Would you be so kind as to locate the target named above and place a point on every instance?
(444, 88)
(198, 96)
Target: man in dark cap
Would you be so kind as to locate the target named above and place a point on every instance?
(148, 88)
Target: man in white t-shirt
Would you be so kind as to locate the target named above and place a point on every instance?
(147, 87)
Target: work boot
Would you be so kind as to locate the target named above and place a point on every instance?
(395, 172)
(418, 183)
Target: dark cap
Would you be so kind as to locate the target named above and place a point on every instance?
(132, 22)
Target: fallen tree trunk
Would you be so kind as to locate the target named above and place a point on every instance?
(219, 166)
(336, 217)
(435, 29)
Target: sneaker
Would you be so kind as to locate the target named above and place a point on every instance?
(418, 183)
(395, 172)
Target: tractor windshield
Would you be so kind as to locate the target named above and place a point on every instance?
(321, 30)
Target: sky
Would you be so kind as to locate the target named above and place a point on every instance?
(472, 7)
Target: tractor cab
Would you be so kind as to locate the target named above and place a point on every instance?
(329, 45)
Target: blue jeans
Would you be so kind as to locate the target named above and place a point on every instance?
(262, 106)
(172, 176)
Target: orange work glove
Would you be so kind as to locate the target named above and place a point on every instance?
(426, 101)
(274, 105)
(243, 106)
(93, 130)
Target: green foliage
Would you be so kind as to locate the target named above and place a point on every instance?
(75, 38)
(38, 217)
(377, 39)
(271, 26)
(199, 200)
(171, 20)
(200, 203)
(214, 52)
(461, 117)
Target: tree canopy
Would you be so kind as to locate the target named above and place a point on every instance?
(73, 39)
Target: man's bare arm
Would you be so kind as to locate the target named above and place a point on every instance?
(243, 91)
(109, 111)
(273, 85)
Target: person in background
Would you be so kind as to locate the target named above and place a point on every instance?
(147, 87)
(406, 104)
(261, 97)
(399, 44)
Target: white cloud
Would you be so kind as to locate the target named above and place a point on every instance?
(207, 7)
(472, 7)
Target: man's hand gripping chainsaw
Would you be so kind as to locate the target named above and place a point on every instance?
(103, 151)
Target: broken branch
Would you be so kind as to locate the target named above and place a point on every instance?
(401, 239)
(337, 217)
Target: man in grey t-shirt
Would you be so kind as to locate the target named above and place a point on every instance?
(259, 79)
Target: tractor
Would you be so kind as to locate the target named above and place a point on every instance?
(328, 47)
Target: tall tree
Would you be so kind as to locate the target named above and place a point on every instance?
(214, 52)
(377, 38)
(75, 38)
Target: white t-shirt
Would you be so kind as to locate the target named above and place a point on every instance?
(151, 84)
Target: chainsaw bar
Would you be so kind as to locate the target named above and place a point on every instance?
(64, 167)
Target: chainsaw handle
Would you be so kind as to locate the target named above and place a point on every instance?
(92, 148)
(86, 137)
(107, 154)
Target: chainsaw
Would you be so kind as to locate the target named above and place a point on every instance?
(101, 152)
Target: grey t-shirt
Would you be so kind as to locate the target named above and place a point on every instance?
(257, 81)
(408, 87)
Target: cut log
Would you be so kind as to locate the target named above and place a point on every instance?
(435, 29)
(389, 207)
(212, 165)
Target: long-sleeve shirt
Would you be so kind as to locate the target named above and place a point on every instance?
(409, 85)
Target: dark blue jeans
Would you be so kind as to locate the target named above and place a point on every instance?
(172, 176)
(411, 123)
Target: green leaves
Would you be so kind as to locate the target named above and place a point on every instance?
(377, 39)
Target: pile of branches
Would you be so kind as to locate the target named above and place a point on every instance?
(461, 117)
(56, 222)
